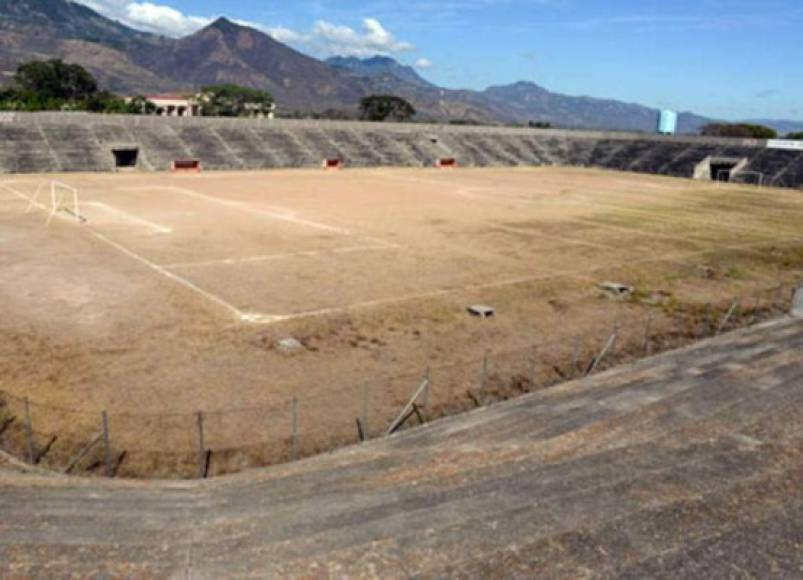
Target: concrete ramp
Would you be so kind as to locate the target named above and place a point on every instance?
(686, 465)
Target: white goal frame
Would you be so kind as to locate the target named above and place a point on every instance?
(63, 198)
(731, 174)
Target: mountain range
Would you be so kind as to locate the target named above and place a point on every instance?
(130, 61)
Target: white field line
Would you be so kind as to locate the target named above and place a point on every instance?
(584, 273)
(270, 257)
(32, 202)
(239, 314)
(244, 207)
(283, 214)
(157, 228)
(259, 318)
(170, 275)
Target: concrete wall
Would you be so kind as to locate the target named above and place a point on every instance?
(48, 142)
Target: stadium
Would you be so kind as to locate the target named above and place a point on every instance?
(267, 347)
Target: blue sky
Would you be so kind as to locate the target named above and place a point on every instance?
(722, 58)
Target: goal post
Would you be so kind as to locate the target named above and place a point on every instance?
(64, 198)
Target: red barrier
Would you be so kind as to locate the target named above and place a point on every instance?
(333, 164)
(446, 163)
(189, 165)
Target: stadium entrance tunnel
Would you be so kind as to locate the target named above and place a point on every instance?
(719, 168)
(125, 157)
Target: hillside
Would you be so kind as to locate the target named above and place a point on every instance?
(380, 67)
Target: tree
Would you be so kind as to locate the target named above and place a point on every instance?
(140, 105)
(54, 80)
(55, 86)
(234, 101)
(744, 130)
(795, 136)
(540, 125)
(385, 107)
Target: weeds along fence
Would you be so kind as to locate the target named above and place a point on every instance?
(201, 444)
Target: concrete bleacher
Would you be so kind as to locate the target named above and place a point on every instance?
(286, 149)
(161, 146)
(23, 149)
(778, 167)
(250, 150)
(76, 148)
(45, 142)
(204, 144)
(685, 465)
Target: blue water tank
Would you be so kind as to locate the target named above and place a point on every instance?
(668, 122)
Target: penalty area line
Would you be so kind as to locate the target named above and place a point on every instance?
(238, 314)
(171, 276)
(271, 257)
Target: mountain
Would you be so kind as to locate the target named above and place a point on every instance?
(378, 68)
(528, 101)
(225, 52)
(130, 61)
(67, 20)
(39, 29)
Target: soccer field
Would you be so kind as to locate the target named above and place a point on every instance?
(157, 296)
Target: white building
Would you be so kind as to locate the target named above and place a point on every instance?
(175, 105)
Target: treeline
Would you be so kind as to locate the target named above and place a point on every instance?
(745, 131)
(54, 85)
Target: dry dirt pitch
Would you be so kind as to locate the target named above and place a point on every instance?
(171, 297)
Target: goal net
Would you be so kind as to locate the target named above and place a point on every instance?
(56, 198)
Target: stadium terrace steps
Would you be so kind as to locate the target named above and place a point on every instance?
(778, 167)
(76, 148)
(23, 149)
(319, 144)
(204, 144)
(249, 149)
(288, 151)
(680, 465)
(161, 146)
(47, 142)
(654, 159)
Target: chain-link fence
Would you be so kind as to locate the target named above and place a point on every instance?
(202, 444)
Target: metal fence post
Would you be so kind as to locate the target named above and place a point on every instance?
(294, 441)
(201, 447)
(734, 307)
(29, 432)
(107, 452)
(616, 329)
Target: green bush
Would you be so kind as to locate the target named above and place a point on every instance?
(234, 101)
(53, 85)
(743, 130)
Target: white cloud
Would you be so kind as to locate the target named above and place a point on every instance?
(323, 39)
(157, 18)
(328, 39)
(162, 19)
(423, 63)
